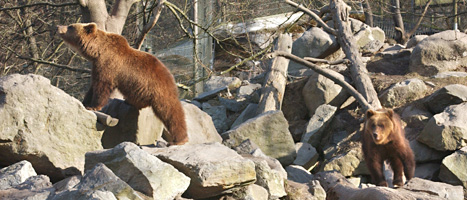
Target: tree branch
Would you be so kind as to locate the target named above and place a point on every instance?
(313, 15)
(419, 20)
(152, 22)
(39, 4)
(317, 60)
(360, 99)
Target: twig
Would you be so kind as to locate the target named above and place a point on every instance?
(317, 60)
(361, 100)
(39, 4)
(313, 15)
(152, 22)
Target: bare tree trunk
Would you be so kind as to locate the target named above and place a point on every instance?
(368, 13)
(96, 11)
(273, 89)
(340, 12)
(398, 22)
(152, 22)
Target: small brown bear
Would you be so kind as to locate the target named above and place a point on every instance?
(141, 78)
(384, 139)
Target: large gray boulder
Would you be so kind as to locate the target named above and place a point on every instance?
(446, 96)
(100, 180)
(33, 188)
(270, 132)
(142, 171)
(320, 90)
(213, 168)
(348, 164)
(216, 82)
(370, 39)
(15, 174)
(446, 131)
(441, 52)
(218, 115)
(453, 168)
(317, 125)
(269, 178)
(442, 190)
(298, 174)
(403, 92)
(42, 124)
(415, 40)
(141, 127)
(424, 154)
(200, 126)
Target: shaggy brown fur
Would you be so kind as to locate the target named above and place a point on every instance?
(384, 139)
(140, 77)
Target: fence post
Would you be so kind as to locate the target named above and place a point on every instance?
(202, 53)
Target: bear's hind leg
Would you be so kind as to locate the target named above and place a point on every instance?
(172, 115)
(408, 161)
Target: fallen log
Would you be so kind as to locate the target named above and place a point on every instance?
(105, 119)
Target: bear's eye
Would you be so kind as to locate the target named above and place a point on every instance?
(70, 28)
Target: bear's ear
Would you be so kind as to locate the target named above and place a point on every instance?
(389, 113)
(370, 113)
(90, 28)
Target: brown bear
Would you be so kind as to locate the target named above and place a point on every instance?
(384, 139)
(141, 78)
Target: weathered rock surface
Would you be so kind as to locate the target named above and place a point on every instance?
(251, 192)
(454, 167)
(446, 96)
(415, 40)
(446, 131)
(415, 117)
(318, 124)
(142, 171)
(36, 126)
(218, 115)
(320, 90)
(442, 190)
(444, 51)
(423, 153)
(248, 113)
(141, 127)
(270, 132)
(15, 174)
(348, 164)
(33, 188)
(307, 156)
(100, 180)
(370, 39)
(213, 168)
(200, 126)
(216, 82)
(402, 93)
(269, 178)
(298, 174)
(301, 191)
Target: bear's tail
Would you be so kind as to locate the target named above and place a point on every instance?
(171, 113)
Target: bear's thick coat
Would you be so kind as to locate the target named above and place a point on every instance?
(384, 139)
(141, 78)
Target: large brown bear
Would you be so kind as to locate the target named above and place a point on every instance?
(141, 78)
(384, 139)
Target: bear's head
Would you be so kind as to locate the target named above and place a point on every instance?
(379, 125)
(78, 36)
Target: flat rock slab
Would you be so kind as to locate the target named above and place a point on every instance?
(142, 171)
(454, 167)
(214, 169)
(15, 174)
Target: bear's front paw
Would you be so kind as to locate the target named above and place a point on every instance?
(397, 183)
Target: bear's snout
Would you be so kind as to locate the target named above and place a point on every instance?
(61, 29)
(375, 135)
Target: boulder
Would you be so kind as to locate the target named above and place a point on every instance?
(251, 192)
(36, 126)
(15, 174)
(248, 89)
(142, 171)
(100, 178)
(302, 191)
(248, 113)
(453, 168)
(424, 153)
(218, 115)
(33, 188)
(415, 40)
(446, 96)
(441, 52)
(402, 93)
(200, 126)
(269, 131)
(446, 131)
(307, 156)
(442, 190)
(213, 168)
(320, 90)
(141, 127)
(210, 94)
(370, 39)
(428, 171)
(234, 105)
(348, 164)
(268, 178)
(318, 124)
(67, 184)
(298, 174)
(216, 82)
(415, 117)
